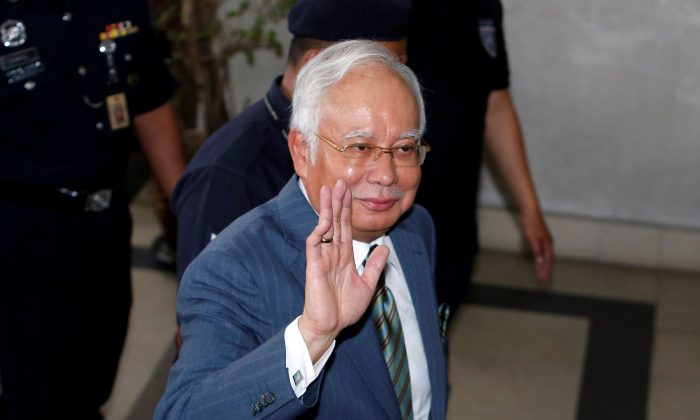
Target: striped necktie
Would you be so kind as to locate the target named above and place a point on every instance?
(386, 320)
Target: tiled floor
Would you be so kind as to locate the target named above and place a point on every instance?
(518, 350)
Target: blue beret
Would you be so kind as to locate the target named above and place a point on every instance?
(336, 20)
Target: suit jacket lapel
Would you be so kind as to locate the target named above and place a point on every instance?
(419, 277)
(359, 344)
(297, 217)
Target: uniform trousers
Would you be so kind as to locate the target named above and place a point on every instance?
(65, 295)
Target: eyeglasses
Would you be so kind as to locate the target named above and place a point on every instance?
(408, 153)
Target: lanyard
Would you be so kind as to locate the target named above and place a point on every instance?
(274, 115)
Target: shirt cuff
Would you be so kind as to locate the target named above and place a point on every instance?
(299, 367)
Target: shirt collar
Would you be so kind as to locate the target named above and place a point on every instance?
(360, 250)
(306, 195)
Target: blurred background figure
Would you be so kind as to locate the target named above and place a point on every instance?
(78, 82)
(247, 161)
(469, 106)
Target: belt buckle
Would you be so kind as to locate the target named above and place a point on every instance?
(98, 201)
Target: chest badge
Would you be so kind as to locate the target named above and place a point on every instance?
(487, 34)
(13, 33)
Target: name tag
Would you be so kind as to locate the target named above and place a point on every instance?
(21, 64)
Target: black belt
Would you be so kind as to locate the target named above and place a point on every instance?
(58, 198)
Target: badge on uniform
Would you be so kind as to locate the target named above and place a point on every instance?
(118, 111)
(21, 64)
(487, 34)
(13, 33)
(118, 30)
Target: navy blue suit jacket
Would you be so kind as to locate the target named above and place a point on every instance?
(238, 296)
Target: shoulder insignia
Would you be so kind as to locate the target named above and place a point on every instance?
(487, 34)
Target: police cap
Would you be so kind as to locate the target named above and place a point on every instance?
(336, 20)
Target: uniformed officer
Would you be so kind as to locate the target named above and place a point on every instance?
(465, 105)
(77, 80)
(247, 161)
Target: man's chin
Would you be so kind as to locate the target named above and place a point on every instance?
(368, 232)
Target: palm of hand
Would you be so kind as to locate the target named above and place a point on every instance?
(336, 296)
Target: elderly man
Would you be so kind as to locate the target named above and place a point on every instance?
(283, 314)
(247, 162)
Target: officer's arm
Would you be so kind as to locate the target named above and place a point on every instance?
(159, 133)
(504, 142)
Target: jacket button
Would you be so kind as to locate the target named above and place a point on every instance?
(268, 398)
(255, 408)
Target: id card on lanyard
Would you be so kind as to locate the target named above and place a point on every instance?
(117, 106)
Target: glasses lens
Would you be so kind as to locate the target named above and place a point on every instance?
(359, 154)
(402, 155)
(406, 154)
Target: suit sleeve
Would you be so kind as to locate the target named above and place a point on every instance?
(233, 355)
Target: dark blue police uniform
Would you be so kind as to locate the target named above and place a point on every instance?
(455, 100)
(73, 74)
(243, 164)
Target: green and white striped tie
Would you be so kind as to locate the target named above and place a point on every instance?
(386, 320)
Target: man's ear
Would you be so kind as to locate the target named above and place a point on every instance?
(308, 55)
(299, 150)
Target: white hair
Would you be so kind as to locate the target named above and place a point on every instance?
(328, 68)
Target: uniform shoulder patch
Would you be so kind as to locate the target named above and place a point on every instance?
(487, 34)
